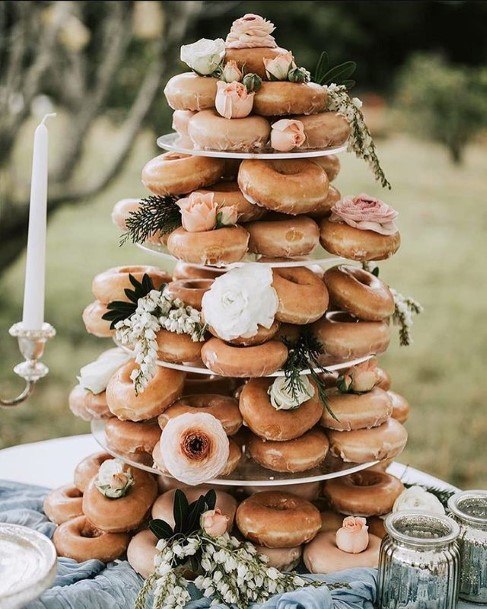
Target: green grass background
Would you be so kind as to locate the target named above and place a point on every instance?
(442, 262)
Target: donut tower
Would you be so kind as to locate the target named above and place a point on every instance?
(251, 367)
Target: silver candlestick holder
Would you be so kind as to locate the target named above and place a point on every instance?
(31, 346)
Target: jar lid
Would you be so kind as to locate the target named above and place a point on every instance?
(421, 528)
(470, 506)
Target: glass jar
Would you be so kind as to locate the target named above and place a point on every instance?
(469, 509)
(419, 562)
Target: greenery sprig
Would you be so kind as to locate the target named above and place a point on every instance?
(339, 74)
(154, 215)
(118, 310)
(304, 354)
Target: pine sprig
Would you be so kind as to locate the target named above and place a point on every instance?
(118, 310)
(154, 215)
(304, 354)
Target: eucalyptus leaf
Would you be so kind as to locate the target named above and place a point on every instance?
(321, 67)
(338, 73)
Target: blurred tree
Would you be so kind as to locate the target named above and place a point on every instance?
(71, 55)
(445, 103)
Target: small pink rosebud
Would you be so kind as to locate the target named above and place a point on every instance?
(353, 537)
(363, 377)
(198, 212)
(231, 72)
(227, 216)
(214, 523)
(233, 100)
(278, 67)
(287, 134)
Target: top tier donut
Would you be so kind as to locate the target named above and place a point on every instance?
(246, 94)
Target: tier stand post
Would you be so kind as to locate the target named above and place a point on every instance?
(31, 346)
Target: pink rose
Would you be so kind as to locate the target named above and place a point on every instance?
(231, 72)
(365, 213)
(233, 100)
(198, 212)
(250, 31)
(287, 134)
(353, 537)
(359, 378)
(278, 68)
(227, 216)
(180, 120)
(214, 523)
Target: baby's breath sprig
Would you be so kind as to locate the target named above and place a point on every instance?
(360, 140)
(405, 308)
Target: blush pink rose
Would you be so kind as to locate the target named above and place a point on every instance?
(214, 523)
(353, 537)
(278, 68)
(228, 215)
(287, 134)
(365, 213)
(198, 212)
(231, 72)
(250, 31)
(233, 100)
(360, 378)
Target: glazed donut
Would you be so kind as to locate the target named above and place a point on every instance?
(324, 209)
(277, 520)
(252, 60)
(189, 291)
(363, 445)
(324, 130)
(164, 504)
(121, 211)
(234, 456)
(356, 244)
(228, 194)
(263, 335)
(243, 362)
(125, 513)
(271, 424)
(366, 493)
(330, 163)
(177, 348)
(112, 283)
(63, 503)
(220, 246)
(88, 405)
(359, 292)
(222, 407)
(289, 333)
(141, 552)
(161, 391)
(384, 379)
(282, 98)
(94, 324)
(173, 173)
(299, 455)
(356, 410)
(80, 540)
(283, 238)
(400, 407)
(180, 120)
(199, 383)
(345, 337)
(188, 91)
(189, 271)
(210, 131)
(323, 556)
(376, 527)
(306, 490)
(330, 521)
(303, 297)
(284, 559)
(88, 468)
(291, 186)
(129, 438)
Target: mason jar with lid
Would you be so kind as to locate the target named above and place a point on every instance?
(469, 509)
(419, 562)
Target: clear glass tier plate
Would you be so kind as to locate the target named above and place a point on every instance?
(170, 142)
(319, 257)
(248, 472)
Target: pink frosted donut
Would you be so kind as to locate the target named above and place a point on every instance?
(63, 503)
(94, 324)
(284, 559)
(323, 556)
(141, 552)
(87, 405)
(163, 505)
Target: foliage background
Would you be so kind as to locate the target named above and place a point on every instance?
(443, 219)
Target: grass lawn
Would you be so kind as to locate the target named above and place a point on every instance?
(443, 222)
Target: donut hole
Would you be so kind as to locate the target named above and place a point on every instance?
(175, 156)
(341, 317)
(88, 531)
(197, 284)
(73, 492)
(370, 479)
(195, 445)
(130, 269)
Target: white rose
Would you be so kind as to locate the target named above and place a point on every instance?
(95, 376)
(282, 398)
(114, 478)
(417, 498)
(203, 56)
(240, 301)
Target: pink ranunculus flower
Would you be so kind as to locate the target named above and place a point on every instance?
(278, 67)
(231, 72)
(287, 134)
(250, 31)
(360, 378)
(180, 120)
(198, 212)
(233, 100)
(228, 215)
(353, 537)
(214, 523)
(365, 213)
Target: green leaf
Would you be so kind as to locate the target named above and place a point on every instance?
(194, 514)
(210, 499)
(161, 529)
(321, 67)
(350, 84)
(180, 511)
(118, 310)
(375, 271)
(338, 73)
